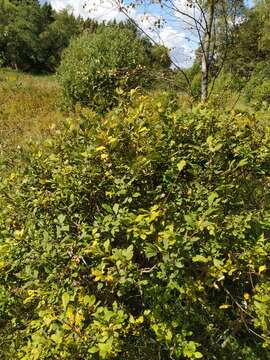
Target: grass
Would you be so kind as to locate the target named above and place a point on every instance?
(28, 108)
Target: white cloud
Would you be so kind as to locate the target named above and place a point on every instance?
(173, 37)
(99, 10)
(182, 52)
(188, 7)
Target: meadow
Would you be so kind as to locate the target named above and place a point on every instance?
(29, 108)
(134, 194)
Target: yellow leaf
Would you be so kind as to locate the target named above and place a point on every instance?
(109, 278)
(104, 156)
(262, 268)
(97, 274)
(142, 129)
(66, 327)
(181, 165)
(246, 296)
(32, 295)
(79, 318)
(112, 140)
(225, 306)
(65, 300)
(70, 314)
(100, 148)
(140, 320)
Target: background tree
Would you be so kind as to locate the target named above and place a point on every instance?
(33, 36)
(21, 33)
(94, 66)
(205, 20)
(247, 65)
(251, 41)
(56, 37)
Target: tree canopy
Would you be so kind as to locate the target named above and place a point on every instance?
(32, 36)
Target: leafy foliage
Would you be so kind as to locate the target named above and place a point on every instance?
(257, 91)
(247, 62)
(33, 36)
(95, 66)
(144, 234)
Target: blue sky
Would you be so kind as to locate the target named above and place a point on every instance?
(175, 33)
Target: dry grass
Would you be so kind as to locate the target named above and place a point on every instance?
(28, 108)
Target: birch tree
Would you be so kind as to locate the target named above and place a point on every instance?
(205, 21)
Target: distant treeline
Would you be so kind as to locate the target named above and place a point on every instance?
(246, 64)
(33, 36)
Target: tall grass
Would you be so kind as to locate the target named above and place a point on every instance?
(28, 108)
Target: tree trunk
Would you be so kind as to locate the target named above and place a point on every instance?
(206, 50)
(205, 72)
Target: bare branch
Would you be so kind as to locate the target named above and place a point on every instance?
(125, 12)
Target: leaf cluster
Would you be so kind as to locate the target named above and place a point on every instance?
(96, 68)
(33, 36)
(143, 234)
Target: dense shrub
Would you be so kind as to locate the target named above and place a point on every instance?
(259, 94)
(257, 90)
(95, 65)
(144, 235)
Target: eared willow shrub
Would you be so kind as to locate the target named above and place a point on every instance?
(142, 235)
(95, 65)
(257, 90)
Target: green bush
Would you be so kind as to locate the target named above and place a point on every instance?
(95, 65)
(260, 94)
(257, 90)
(142, 235)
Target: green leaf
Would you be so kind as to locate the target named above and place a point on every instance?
(115, 208)
(105, 348)
(189, 349)
(107, 208)
(243, 162)
(217, 147)
(57, 337)
(61, 218)
(211, 198)
(89, 300)
(65, 300)
(209, 140)
(93, 350)
(150, 251)
(129, 252)
(181, 165)
(200, 259)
